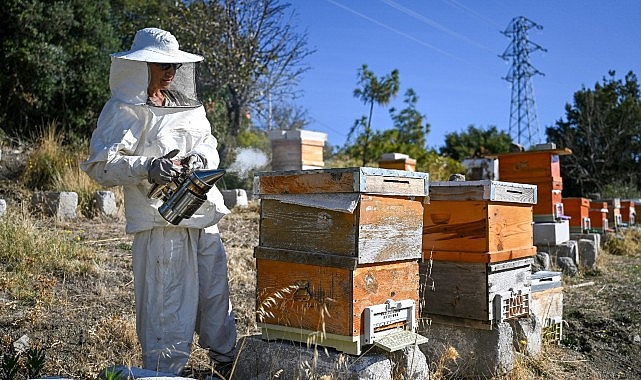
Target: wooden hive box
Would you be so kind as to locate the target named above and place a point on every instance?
(519, 166)
(549, 206)
(478, 221)
(297, 149)
(615, 219)
(599, 215)
(475, 294)
(397, 161)
(628, 212)
(578, 209)
(333, 242)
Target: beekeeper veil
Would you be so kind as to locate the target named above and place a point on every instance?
(129, 76)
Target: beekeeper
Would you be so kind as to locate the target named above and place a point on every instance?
(180, 272)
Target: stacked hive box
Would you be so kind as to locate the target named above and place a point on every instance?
(541, 168)
(336, 247)
(297, 149)
(615, 219)
(628, 212)
(397, 161)
(477, 248)
(599, 215)
(578, 209)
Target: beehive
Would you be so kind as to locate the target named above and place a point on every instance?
(397, 161)
(478, 221)
(332, 243)
(615, 219)
(476, 294)
(599, 215)
(541, 168)
(297, 149)
(628, 212)
(578, 209)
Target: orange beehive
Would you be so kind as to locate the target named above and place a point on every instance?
(628, 212)
(578, 209)
(520, 166)
(333, 243)
(599, 215)
(541, 168)
(478, 221)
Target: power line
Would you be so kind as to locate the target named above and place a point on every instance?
(522, 107)
(421, 42)
(434, 24)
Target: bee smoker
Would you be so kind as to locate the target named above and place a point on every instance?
(185, 193)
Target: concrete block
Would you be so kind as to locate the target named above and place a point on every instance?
(588, 253)
(541, 262)
(552, 233)
(235, 198)
(262, 360)
(3, 207)
(596, 238)
(106, 202)
(61, 205)
(567, 249)
(526, 334)
(482, 353)
(567, 265)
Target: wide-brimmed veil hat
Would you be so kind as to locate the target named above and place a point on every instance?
(157, 45)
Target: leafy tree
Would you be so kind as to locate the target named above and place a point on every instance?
(475, 142)
(408, 137)
(252, 57)
(54, 66)
(372, 90)
(603, 130)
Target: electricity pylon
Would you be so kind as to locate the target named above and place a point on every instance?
(523, 108)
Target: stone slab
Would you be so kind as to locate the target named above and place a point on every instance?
(261, 360)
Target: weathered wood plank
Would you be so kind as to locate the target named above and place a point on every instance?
(496, 191)
(374, 284)
(309, 258)
(480, 257)
(304, 296)
(360, 179)
(302, 228)
(460, 290)
(382, 228)
(476, 226)
(389, 229)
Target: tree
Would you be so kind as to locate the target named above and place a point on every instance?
(408, 135)
(252, 57)
(475, 142)
(372, 90)
(603, 130)
(54, 66)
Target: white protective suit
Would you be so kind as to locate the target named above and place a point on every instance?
(180, 272)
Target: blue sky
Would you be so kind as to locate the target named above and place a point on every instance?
(448, 52)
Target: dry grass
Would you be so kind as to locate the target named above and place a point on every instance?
(32, 276)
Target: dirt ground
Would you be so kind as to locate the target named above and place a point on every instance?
(87, 323)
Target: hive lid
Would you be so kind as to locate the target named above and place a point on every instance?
(342, 180)
(496, 191)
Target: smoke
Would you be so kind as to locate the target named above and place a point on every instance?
(248, 159)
